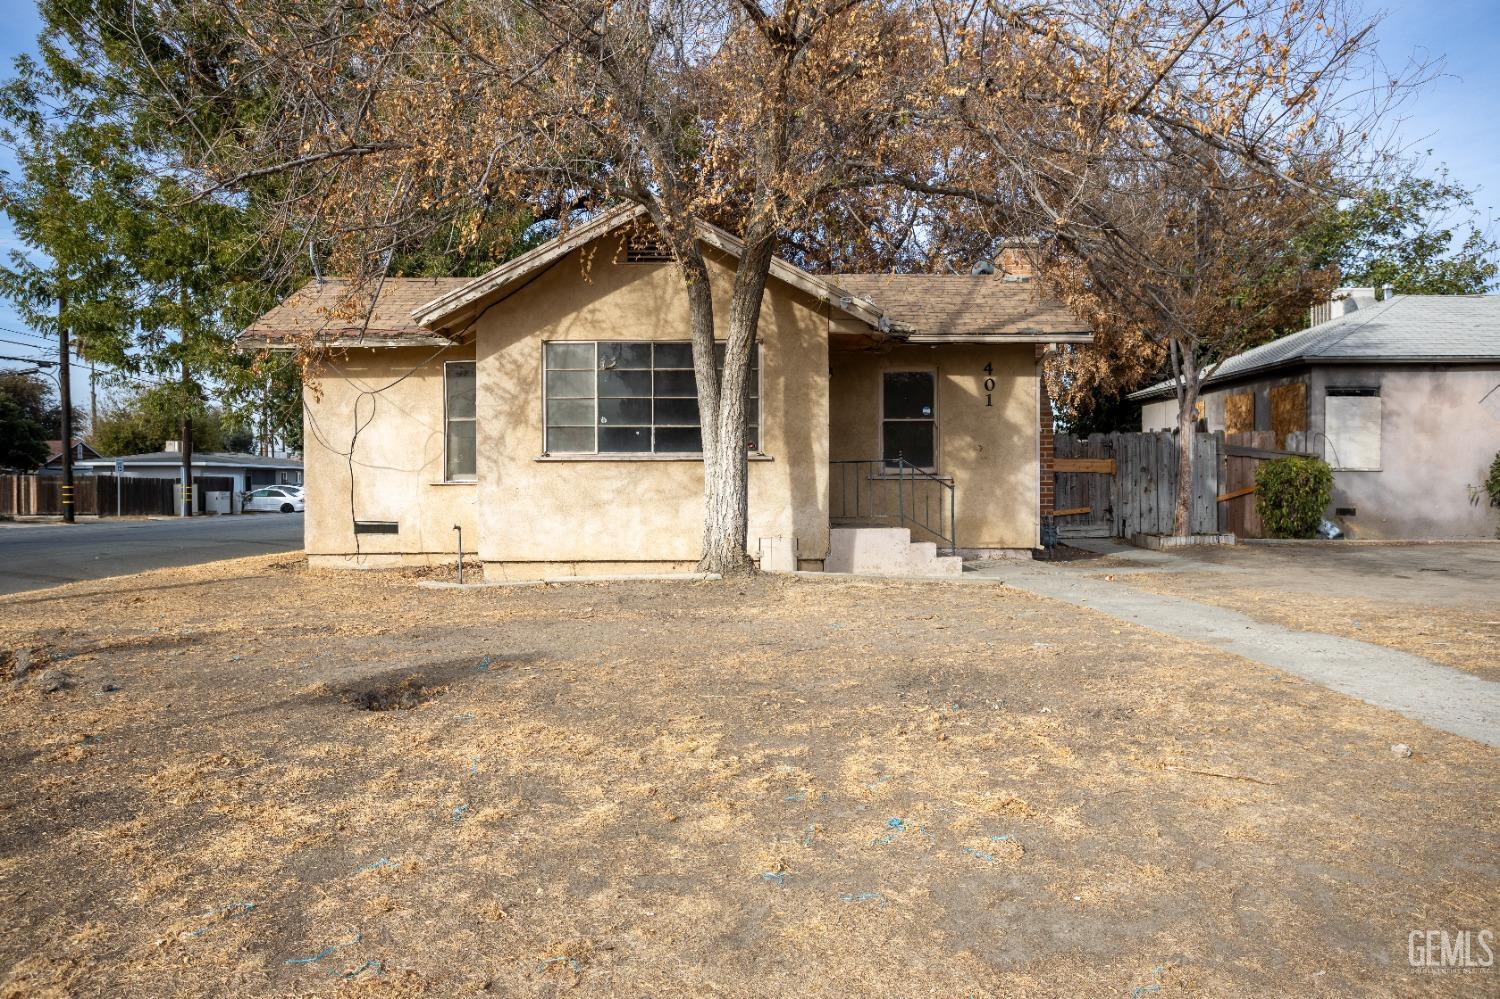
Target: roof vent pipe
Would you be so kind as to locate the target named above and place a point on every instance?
(982, 266)
(1387, 292)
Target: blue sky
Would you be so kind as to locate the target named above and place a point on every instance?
(1453, 117)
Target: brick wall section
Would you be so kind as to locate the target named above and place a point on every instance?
(1048, 498)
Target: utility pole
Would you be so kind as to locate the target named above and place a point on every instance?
(93, 399)
(186, 445)
(65, 396)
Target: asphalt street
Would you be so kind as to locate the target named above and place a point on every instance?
(33, 556)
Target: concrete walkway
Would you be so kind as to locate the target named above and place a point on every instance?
(1444, 698)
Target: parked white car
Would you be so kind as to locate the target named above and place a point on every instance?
(274, 498)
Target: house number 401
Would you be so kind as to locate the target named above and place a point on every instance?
(989, 384)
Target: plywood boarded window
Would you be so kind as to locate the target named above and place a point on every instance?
(1288, 411)
(1352, 429)
(1239, 413)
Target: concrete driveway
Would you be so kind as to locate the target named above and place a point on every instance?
(33, 556)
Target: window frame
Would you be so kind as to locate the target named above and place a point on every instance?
(448, 418)
(881, 420)
(1330, 447)
(547, 453)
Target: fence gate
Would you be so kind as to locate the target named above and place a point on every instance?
(1116, 485)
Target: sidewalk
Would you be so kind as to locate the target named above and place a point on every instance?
(1439, 696)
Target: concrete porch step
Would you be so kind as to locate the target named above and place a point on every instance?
(886, 551)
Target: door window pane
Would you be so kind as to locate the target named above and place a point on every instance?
(911, 440)
(908, 395)
(909, 423)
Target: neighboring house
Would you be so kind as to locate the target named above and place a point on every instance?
(1401, 396)
(549, 407)
(249, 471)
(82, 450)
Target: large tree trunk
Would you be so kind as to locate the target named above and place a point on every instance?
(726, 470)
(1187, 425)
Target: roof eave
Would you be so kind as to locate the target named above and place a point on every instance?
(997, 338)
(442, 309)
(297, 341)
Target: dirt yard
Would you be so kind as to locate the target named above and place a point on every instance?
(263, 780)
(1441, 602)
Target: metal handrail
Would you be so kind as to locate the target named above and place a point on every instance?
(916, 489)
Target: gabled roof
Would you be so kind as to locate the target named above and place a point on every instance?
(331, 312)
(917, 308)
(55, 449)
(1406, 329)
(443, 309)
(941, 308)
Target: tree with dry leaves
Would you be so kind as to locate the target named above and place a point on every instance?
(1169, 156)
(934, 122)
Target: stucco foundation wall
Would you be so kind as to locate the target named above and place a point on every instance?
(1436, 444)
(397, 458)
(991, 452)
(542, 509)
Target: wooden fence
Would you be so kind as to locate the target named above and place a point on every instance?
(1243, 453)
(41, 495)
(1116, 485)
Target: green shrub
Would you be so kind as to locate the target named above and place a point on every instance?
(1291, 495)
(1492, 484)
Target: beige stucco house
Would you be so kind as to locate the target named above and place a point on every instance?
(548, 410)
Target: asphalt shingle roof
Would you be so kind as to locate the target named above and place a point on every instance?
(331, 310)
(958, 305)
(1404, 329)
(935, 305)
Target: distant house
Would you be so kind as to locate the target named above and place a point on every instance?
(82, 451)
(1401, 396)
(249, 471)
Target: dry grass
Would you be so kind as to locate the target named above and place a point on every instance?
(1465, 636)
(754, 788)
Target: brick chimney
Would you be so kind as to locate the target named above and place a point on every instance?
(1015, 259)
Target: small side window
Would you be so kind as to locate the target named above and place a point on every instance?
(459, 449)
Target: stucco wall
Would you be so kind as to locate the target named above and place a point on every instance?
(569, 514)
(1436, 442)
(397, 459)
(989, 451)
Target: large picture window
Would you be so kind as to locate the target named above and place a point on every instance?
(622, 397)
(908, 418)
(458, 421)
